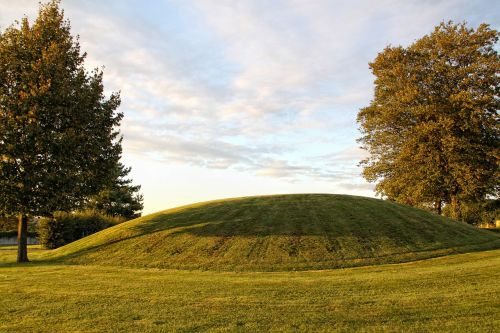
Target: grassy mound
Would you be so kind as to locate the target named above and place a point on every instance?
(282, 232)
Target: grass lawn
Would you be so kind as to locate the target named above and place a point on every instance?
(279, 232)
(458, 293)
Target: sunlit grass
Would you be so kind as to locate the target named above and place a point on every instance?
(8, 253)
(456, 293)
(117, 280)
(283, 232)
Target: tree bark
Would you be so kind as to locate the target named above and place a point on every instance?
(438, 206)
(455, 209)
(22, 239)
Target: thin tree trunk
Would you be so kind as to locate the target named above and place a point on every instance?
(455, 209)
(438, 206)
(22, 239)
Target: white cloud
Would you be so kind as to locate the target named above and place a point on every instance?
(268, 87)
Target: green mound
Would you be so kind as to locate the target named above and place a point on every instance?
(282, 232)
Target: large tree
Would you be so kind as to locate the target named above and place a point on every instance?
(58, 131)
(432, 129)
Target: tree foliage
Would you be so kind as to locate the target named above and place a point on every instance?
(63, 228)
(58, 131)
(120, 199)
(7, 223)
(431, 129)
(483, 213)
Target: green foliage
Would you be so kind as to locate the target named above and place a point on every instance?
(477, 213)
(282, 232)
(64, 228)
(457, 293)
(57, 129)
(10, 224)
(58, 136)
(121, 199)
(13, 233)
(7, 223)
(432, 128)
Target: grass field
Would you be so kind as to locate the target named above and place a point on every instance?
(458, 293)
(282, 232)
(123, 278)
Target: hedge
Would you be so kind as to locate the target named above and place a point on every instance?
(13, 233)
(64, 228)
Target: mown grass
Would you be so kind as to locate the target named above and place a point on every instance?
(8, 253)
(282, 232)
(457, 293)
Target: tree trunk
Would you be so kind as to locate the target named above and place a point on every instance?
(22, 239)
(455, 209)
(438, 206)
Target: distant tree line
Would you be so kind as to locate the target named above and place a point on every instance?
(432, 129)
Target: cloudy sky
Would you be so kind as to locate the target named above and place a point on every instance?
(235, 98)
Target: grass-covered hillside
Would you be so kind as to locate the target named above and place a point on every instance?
(282, 232)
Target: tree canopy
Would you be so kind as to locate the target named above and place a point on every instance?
(120, 199)
(59, 140)
(431, 129)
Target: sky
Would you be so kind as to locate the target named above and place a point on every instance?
(236, 98)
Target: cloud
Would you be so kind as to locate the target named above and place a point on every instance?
(270, 88)
(356, 187)
(353, 153)
(280, 169)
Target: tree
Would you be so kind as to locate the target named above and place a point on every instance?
(483, 213)
(58, 136)
(121, 199)
(432, 128)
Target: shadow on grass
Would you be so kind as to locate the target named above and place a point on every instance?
(335, 216)
(295, 216)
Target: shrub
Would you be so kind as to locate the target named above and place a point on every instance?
(64, 228)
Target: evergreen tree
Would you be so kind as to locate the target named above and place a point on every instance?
(432, 128)
(58, 136)
(121, 199)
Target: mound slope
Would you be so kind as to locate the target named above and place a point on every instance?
(282, 232)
